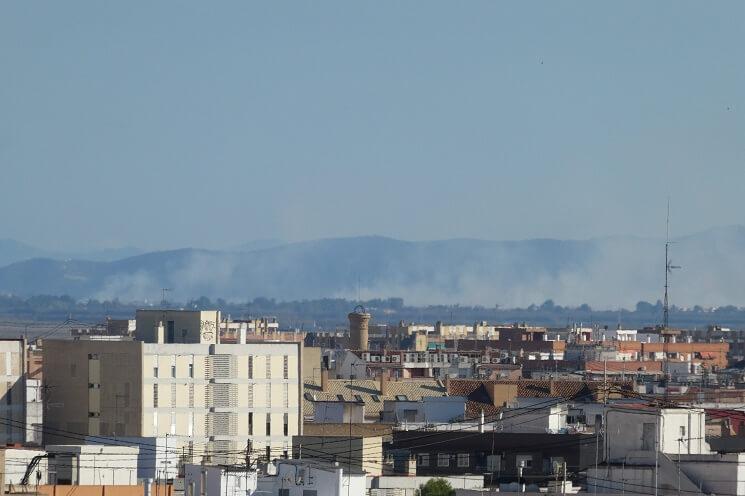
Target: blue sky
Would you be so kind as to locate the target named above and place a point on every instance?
(168, 124)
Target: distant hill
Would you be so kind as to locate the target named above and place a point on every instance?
(12, 251)
(604, 272)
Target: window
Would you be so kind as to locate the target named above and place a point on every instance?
(375, 398)
(286, 422)
(250, 366)
(443, 460)
(268, 366)
(250, 423)
(9, 393)
(358, 398)
(285, 367)
(191, 395)
(269, 457)
(649, 433)
(250, 395)
(155, 395)
(308, 396)
(171, 332)
(340, 397)
(422, 460)
(463, 460)
(268, 424)
(173, 371)
(155, 371)
(401, 397)
(191, 370)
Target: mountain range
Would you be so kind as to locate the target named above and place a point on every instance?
(612, 272)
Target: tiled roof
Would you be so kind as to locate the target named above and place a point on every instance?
(478, 396)
(413, 389)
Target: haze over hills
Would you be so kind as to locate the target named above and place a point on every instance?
(604, 272)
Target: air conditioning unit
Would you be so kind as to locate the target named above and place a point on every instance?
(376, 358)
(485, 359)
(386, 359)
(366, 357)
(395, 359)
(495, 360)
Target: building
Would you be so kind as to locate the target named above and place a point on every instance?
(360, 453)
(82, 465)
(453, 453)
(20, 405)
(309, 478)
(206, 480)
(211, 400)
(370, 393)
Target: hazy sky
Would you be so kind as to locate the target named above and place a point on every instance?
(166, 124)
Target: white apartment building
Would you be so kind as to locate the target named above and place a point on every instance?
(212, 401)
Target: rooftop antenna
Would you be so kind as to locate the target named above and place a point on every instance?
(163, 301)
(669, 267)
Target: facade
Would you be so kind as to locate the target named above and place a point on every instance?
(306, 478)
(203, 480)
(13, 393)
(178, 326)
(211, 400)
(360, 453)
(82, 465)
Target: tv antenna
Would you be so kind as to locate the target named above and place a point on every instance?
(163, 301)
(669, 267)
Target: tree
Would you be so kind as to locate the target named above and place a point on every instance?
(435, 487)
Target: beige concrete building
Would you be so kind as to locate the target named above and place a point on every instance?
(209, 399)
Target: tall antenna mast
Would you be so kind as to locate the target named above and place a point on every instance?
(668, 270)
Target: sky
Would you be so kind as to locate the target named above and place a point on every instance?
(171, 124)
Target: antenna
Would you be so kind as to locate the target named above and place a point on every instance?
(163, 301)
(669, 267)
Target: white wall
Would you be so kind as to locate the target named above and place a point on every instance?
(16, 461)
(206, 480)
(675, 430)
(300, 476)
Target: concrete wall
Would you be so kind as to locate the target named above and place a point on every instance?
(188, 326)
(312, 364)
(94, 388)
(12, 390)
(366, 452)
(680, 430)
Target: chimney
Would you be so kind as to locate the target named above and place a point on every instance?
(384, 383)
(242, 334)
(552, 387)
(481, 422)
(447, 383)
(160, 333)
(325, 380)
